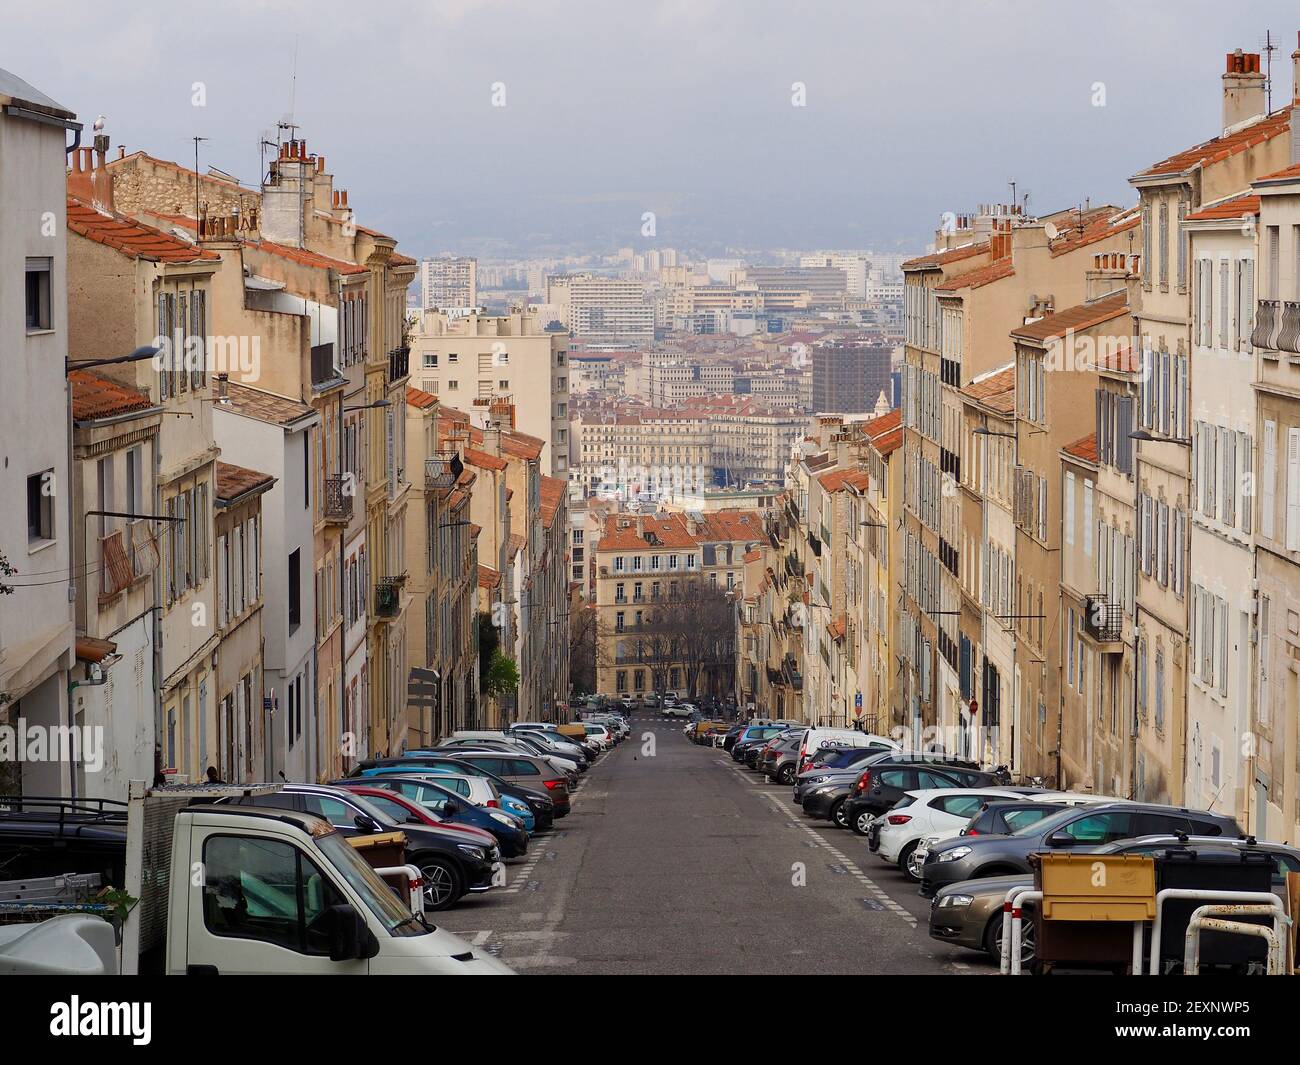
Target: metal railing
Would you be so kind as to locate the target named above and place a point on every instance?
(1267, 322)
(338, 502)
(1103, 619)
(438, 471)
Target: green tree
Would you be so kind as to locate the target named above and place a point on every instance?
(502, 675)
(489, 640)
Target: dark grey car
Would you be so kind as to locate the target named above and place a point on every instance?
(782, 762)
(972, 857)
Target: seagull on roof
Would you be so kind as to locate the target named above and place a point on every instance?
(99, 124)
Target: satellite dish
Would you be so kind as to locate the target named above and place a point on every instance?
(1050, 231)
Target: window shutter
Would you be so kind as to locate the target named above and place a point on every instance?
(1293, 489)
(1268, 479)
(1248, 478)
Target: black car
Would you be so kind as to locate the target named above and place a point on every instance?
(543, 806)
(882, 783)
(449, 866)
(733, 734)
(972, 857)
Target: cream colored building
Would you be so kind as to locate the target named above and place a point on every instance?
(471, 360)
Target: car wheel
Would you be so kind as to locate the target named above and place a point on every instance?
(862, 823)
(839, 818)
(441, 882)
(907, 863)
(1028, 941)
(786, 775)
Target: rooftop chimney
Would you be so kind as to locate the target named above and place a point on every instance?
(1243, 89)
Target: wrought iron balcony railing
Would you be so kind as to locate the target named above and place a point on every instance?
(338, 501)
(1103, 619)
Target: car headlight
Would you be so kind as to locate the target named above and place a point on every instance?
(954, 854)
(956, 900)
(510, 821)
(824, 791)
(818, 780)
(474, 852)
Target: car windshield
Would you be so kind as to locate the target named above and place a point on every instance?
(377, 896)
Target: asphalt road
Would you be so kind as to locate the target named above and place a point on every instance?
(678, 861)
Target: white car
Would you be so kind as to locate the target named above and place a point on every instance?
(602, 734)
(929, 812)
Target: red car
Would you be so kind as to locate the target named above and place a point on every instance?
(401, 809)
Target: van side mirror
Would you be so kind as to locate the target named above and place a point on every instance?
(350, 936)
(1060, 839)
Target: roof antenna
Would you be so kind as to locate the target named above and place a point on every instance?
(198, 225)
(1268, 49)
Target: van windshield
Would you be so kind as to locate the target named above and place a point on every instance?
(378, 896)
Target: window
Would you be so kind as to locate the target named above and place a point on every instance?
(1099, 828)
(295, 589)
(40, 507)
(268, 891)
(38, 295)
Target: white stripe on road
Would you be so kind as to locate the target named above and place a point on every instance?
(881, 896)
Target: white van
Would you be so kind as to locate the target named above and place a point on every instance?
(816, 738)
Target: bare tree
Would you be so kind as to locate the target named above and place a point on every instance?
(582, 649)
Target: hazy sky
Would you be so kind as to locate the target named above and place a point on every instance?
(680, 107)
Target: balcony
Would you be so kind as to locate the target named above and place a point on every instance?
(441, 470)
(1268, 319)
(1288, 334)
(388, 598)
(790, 668)
(338, 501)
(323, 372)
(399, 364)
(1103, 621)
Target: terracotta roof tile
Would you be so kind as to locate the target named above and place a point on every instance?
(264, 406)
(1096, 226)
(730, 526)
(133, 239)
(552, 492)
(1291, 171)
(98, 397)
(308, 258)
(985, 275)
(1076, 318)
(625, 533)
(1222, 147)
(416, 397)
(942, 258)
(234, 481)
(483, 460)
(1233, 207)
(488, 577)
(1084, 448)
(993, 388)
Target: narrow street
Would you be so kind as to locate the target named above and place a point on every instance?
(685, 863)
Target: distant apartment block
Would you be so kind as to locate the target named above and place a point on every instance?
(849, 377)
(448, 281)
(603, 313)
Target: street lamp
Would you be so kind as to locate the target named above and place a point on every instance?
(1147, 437)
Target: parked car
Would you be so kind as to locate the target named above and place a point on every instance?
(560, 764)
(545, 808)
(968, 913)
(1002, 818)
(816, 738)
(406, 810)
(526, 770)
(781, 758)
(882, 783)
(972, 857)
(432, 791)
(927, 811)
(449, 867)
(750, 735)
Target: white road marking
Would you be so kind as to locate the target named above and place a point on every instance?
(879, 893)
